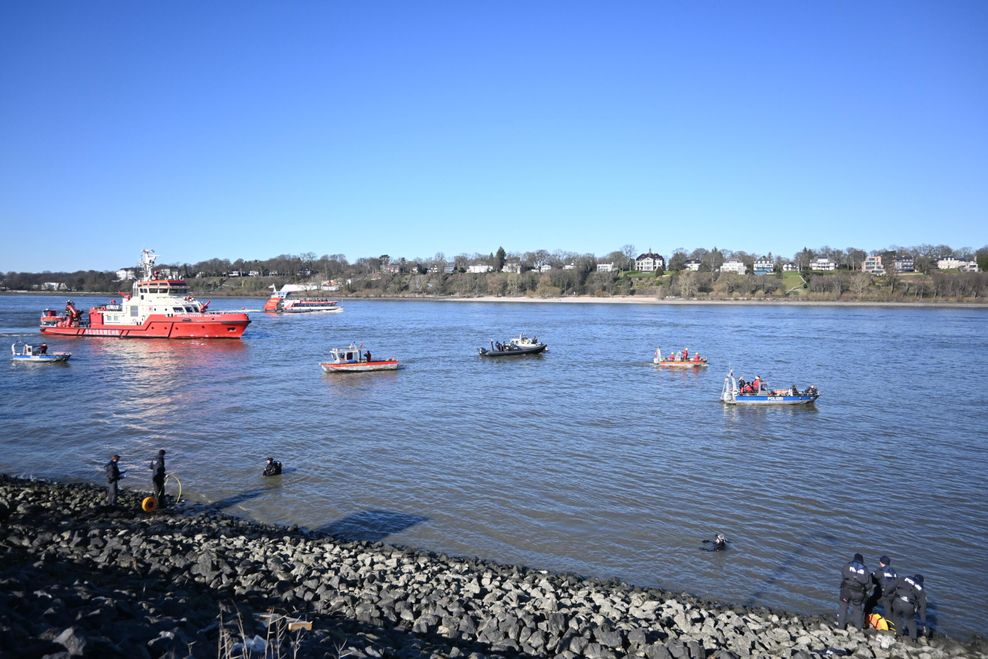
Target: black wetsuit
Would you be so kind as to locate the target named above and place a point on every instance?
(158, 467)
(273, 469)
(112, 478)
(853, 593)
(908, 598)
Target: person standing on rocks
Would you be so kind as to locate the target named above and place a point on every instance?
(909, 598)
(883, 579)
(112, 469)
(158, 478)
(853, 593)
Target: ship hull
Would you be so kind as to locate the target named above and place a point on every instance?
(360, 367)
(224, 326)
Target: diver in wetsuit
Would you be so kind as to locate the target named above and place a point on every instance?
(719, 543)
(272, 468)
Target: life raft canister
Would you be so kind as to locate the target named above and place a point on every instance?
(149, 504)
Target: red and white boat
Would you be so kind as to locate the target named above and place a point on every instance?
(286, 301)
(679, 360)
(157, 308)
(354, 359)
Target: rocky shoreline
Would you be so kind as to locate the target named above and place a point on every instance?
(77, 579)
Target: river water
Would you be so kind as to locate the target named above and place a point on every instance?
(586, 459)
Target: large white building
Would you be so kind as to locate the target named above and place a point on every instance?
(480, 268)
(736, 267)
(956, 264)
(650, 262)
(605, 267)
(823, 265)
(764, 266)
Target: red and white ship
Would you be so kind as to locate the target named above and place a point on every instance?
(284, 301)
(158, 308)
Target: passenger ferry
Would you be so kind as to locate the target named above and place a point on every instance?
(284, 301)
(157, 308)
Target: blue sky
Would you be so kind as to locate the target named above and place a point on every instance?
(252, 129)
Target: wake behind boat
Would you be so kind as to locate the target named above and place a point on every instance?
(521, 345)
(157, 308)
(30, 354)
(291, 299)
(739, 392)
(354, 359)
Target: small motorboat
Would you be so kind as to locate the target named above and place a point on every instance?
(679, 360)
(521, 345)
(757, 393)
(25, 352)
(354, 359)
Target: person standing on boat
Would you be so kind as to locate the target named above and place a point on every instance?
(112, 469)
(756, 384)
(853, 593)
(158, 478)
(368, 355)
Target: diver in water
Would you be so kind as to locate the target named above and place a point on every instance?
(272, 468)
(719, 543)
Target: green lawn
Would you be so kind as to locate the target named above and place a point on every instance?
(791, 280)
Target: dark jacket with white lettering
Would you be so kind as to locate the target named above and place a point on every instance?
(908, 591)
(884, 580)
(854, 585)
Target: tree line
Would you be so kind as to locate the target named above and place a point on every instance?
(560, 273)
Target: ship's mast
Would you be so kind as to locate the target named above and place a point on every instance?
(148, 258)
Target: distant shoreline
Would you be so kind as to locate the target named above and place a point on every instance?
(631, 299)
(574, 299)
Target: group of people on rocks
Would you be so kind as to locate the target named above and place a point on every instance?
(901, 597)
(158, 473)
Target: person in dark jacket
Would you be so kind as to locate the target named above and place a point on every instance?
(158, 478)
(853, 593)
(883, 579)
(272, 468)
(908, 599)
(112, 469)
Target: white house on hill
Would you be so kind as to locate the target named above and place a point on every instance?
(650, 262)
(736, 267)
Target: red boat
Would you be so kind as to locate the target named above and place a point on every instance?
(157, 308)
(284, 301)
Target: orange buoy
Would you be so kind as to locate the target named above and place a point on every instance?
(149, 504)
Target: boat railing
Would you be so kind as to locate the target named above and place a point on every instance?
(730, 390)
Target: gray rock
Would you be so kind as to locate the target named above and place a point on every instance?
(73, 641)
